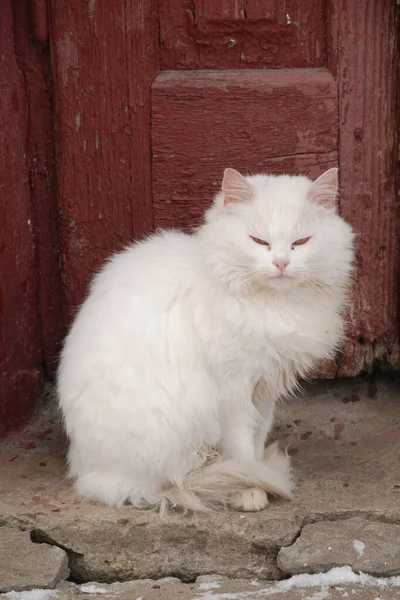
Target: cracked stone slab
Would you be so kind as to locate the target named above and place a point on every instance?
(25, 565)
(368, 546)
(123, 548)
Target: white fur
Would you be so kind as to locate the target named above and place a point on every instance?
(174, 363)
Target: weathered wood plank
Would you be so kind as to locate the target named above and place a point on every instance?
(20, 355)
(255, 121)
(34, 62)
(104, 58)
(368, 139)
(142, 66)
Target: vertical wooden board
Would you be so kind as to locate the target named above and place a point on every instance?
(142, 29)
(104, 58)
(20, 356)
(368, 137)
(34, 62)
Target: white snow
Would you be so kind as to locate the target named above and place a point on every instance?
(92, 589)
(359, 547)
(209, 585)
(30, 595)
(336, 576)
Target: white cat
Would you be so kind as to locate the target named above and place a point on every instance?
(171, 371)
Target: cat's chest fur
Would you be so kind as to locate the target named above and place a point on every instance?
(264, 338)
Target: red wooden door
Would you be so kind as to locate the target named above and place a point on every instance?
(153, 103)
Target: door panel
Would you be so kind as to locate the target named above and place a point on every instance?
(254, 120)
(233, 34)
(227, 97)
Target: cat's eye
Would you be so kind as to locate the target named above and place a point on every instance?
(258, 241)
(301, 241)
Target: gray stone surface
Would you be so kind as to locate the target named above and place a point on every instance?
(25, 565)
(344, 438)
(121, 549)
(365, 545)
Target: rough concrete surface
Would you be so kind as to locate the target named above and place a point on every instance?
(25, 565)
(344, 438)
(367, 546)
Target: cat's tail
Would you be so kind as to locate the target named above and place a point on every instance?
(215, 484)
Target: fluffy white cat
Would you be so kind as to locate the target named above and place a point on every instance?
(171, 371)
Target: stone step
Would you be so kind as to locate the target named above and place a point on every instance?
(345, 441)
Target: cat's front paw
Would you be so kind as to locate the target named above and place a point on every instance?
(250, 500)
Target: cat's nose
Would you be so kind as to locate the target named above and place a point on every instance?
(281, 263)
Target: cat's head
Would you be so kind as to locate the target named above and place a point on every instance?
(278, 232)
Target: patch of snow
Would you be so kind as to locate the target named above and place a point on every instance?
(359, 547)
(92, 589)
(335, 577)
(30, 595)
(209, 585)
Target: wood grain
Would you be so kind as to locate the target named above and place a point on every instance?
(233, 34)
(367, 152)
(255, 121)
(20, 354)
(34, 63)
(104, 58)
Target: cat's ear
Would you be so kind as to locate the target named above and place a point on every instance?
(235, 187)
(325, 189)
